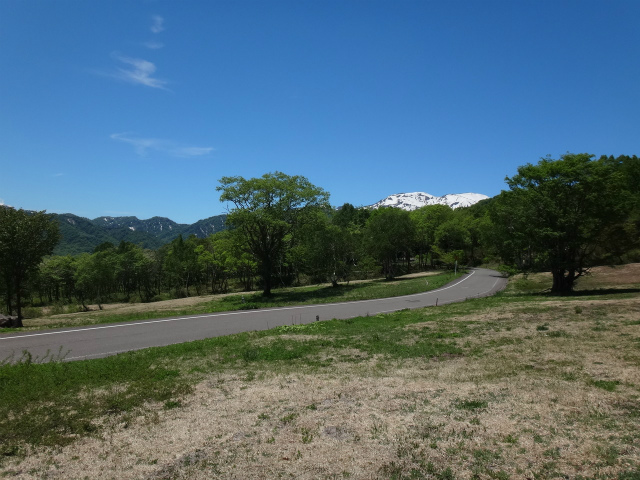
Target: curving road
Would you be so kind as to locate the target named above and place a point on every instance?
(103, 340)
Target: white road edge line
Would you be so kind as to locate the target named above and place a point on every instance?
(123, 351)
(223, 314)
(105, 354)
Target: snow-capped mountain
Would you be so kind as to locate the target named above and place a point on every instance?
(415, 200)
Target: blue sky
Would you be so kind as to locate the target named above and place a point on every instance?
(140, 107)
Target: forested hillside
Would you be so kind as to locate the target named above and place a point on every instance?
(81, 235)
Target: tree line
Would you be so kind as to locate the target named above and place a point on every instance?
(562, 216)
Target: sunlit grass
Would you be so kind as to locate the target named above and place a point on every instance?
(496, 395)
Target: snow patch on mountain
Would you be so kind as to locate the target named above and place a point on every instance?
(414, 200)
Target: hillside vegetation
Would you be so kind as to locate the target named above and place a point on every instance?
(81, 235)
(521, 385)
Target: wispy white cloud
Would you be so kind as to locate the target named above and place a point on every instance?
(153, 45)
(57, 175)
(158, 24)
(143, 145)
(191, 151)
(138, 72)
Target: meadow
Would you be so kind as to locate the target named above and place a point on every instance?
(520, 385)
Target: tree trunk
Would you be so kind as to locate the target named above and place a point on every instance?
(18, 282)
(9, 296)
(266, 291)
(387, 267)
(334, 279)
(266, 277)
(563, 284)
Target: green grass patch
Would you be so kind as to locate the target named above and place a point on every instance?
(341, 293)
(558, 334)
(53, 403)
(630, 475)
(472, 404)
(608, 385)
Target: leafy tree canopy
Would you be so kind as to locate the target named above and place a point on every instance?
(268, 210)
(560, 216)
(389, 231)
(25, 238)
(349, 216)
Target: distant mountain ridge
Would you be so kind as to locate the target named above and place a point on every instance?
(81, 234)
(154, 225)
(414, 200)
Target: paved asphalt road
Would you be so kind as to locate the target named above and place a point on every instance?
(103, 340)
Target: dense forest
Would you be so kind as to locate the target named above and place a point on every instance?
(562, 216)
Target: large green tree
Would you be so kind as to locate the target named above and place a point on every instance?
(327, 251)
(95, 276)
(560, 216)
(56, 278)
(181, 264)
(627, 249)
(453, 237)
(427, 220)
(25, 238)
(388, 233)
(269, 211)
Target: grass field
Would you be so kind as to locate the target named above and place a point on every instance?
(521, 385)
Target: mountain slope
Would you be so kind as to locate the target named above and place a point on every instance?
(81, 235)
(414, 200)
(204, 228)
(78, 235)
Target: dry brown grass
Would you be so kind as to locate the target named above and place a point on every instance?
(95, 313)
(614, 275)
(549, 389)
